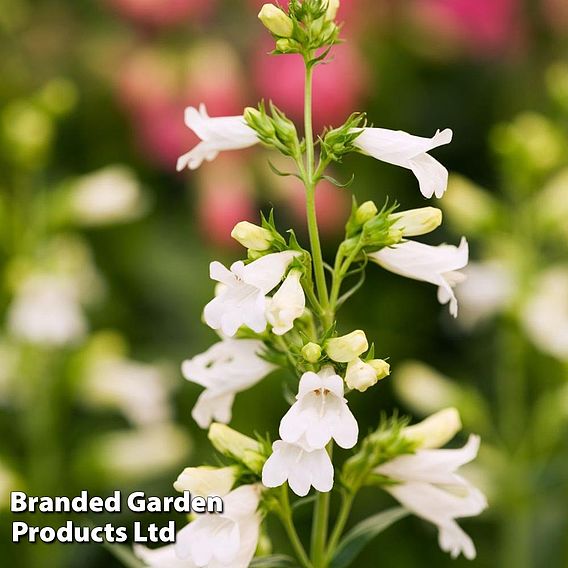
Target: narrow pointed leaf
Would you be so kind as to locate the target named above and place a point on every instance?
(274, 561)
(362, 534)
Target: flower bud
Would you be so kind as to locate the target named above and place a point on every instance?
(276, 20)
(311, 352)
(364, 374)
(365, 212)
(382, 368)
(332, 8)
(237, 446)
(436, 430)
(259, 122)
(347, 347)
(252, 236)
(360, 375)
(416, 221)
(206, 481)
(288, 45)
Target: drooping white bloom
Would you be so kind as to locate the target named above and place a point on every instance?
(224, 540)
(408, 151)
(110, 195)
(139, 390)
(46, 311)
(545, 317)
(435, 264)
(217, 135)
(226, 368)
(242, 298)
(300, 465)
(429, 486)
(287, 305)
(320, 413)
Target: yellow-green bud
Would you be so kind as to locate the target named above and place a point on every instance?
(436, 430)
(259, 122)
(311, 352)
(382, 368)
(276, 20)
(287, 45)
(347, 347)
(252, 236)
(237, 446)
(206, 481)
(365, 212)
(332, 8)
(416, 221)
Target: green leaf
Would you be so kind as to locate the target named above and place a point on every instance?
(337, 183)
(362, 534)
(274, 561)
(125, 555)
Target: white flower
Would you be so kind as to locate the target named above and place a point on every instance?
(287, 304)
(402, 149)
(320, 413)
(242, 299)
(361, 375)
(301, 466)
(347, 347)
(545, 317)
(110, 195)
(436, 430)
(216, 134)
(46, 311)
(226, 368)
(140, 390)
(224, 540)
(435, 264)
(429, 486)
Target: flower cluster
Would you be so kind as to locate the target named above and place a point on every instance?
(277, 308)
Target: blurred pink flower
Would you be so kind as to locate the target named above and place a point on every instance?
(226, 196)
(484, 27)
(155, 87)
(338, 85)
(159, 13)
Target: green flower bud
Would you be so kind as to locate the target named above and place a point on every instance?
(252, 236)
(416, 221)
(287, 45)
(206, 481)
(365, 212)
(276, 21)
(311, 352)
(237, 446)
(259, 122)
(348, 347)
(436, 430)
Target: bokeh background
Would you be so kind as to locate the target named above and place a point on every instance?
(105, 249)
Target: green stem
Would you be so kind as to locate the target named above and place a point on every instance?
(288, 523)
(342, 518)
(320, 525)
(310, 181)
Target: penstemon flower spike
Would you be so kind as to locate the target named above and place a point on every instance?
(278, 308)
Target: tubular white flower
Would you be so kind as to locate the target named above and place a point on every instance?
(224, 540)
(408, 151)
(226, 368)
(430, 487)
(46, 311)
(436, 430)
(287, 305)
(320, 413)
(301, 466)
(217, 135)
(242, 299)
(434, 264)
(347, 347)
